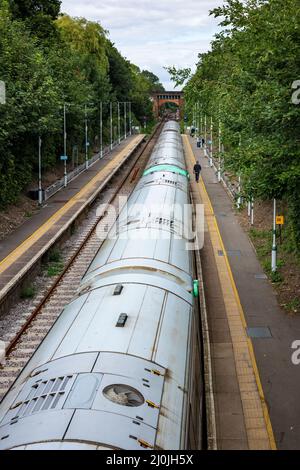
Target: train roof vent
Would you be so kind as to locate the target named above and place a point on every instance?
(43, 395)
(123, 395)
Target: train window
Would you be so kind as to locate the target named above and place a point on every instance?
(123, 395)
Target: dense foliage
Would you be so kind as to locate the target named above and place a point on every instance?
(48, 59)
(245, 81)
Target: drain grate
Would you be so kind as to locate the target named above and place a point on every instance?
(259, 332)
(261, 276)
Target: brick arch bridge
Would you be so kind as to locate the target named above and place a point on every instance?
(159, 99)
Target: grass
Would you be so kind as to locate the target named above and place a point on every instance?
(55, 263)
(293, 305)
(263, 245)
(28, 292)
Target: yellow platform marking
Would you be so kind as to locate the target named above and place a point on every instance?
(257, 420)
(81, 196)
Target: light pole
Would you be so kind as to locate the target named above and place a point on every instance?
(220, 150)
(101, 129)
(125, 119)
(201, 126)
(130, 122)
(252, 210)
(65, 147)
(119, 123)
(111, 126)
(86, 139)
(211, 142)
(205, 135)
(274, 245)
(40, 172)
(239, 202)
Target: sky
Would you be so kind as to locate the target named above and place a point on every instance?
(153, 33)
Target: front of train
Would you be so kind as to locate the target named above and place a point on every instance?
(116, 370)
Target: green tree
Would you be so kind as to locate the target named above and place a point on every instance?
(245, 81)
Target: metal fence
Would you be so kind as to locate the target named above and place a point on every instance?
(231, 186)
(60, 184)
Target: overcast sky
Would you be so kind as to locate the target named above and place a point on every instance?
(153, 33)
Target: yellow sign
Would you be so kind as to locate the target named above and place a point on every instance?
(280, 220)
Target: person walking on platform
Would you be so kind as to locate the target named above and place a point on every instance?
(197, 171)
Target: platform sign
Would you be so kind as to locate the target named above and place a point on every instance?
(280, 220)
(64, 158)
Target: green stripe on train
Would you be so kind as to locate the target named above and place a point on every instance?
(171, 168)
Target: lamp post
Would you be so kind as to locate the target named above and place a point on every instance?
(220, 150)
(239, 202)
(252, 211)
(65, 147)
(86, 139)
(211, 142)
(274, 245)
(111, 125)
(130, 122)
(205, 135)
(125, 119)
(119, 124)
(201, 126)
(40, 172)
(101, 129)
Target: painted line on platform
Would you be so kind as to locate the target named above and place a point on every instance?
(42, 230)
(266, 415)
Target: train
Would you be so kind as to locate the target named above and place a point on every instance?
(121, 368)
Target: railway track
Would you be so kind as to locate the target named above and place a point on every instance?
(32, 329)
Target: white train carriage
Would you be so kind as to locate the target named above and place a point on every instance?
(120, 369)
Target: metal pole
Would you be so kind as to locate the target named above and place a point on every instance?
(111, 126)
(211, 142)
(201, 127)
(239, 202)
(119, 124)
(252, 210)
(125, 123)
(130, 126)
(101, 129)
(86, 139)
(220, 149)
(40, 172)
(65, 147)
(205, 135)
(274, 246)
(249, 208)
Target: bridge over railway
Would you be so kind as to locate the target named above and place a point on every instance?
(161, 98)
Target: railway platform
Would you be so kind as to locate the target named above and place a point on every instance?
(255, 383)
(21, 250)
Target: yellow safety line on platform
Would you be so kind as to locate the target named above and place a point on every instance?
(257, 420)
(42, 230)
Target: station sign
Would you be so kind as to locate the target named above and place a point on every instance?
(280, 220)
(64, 158)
